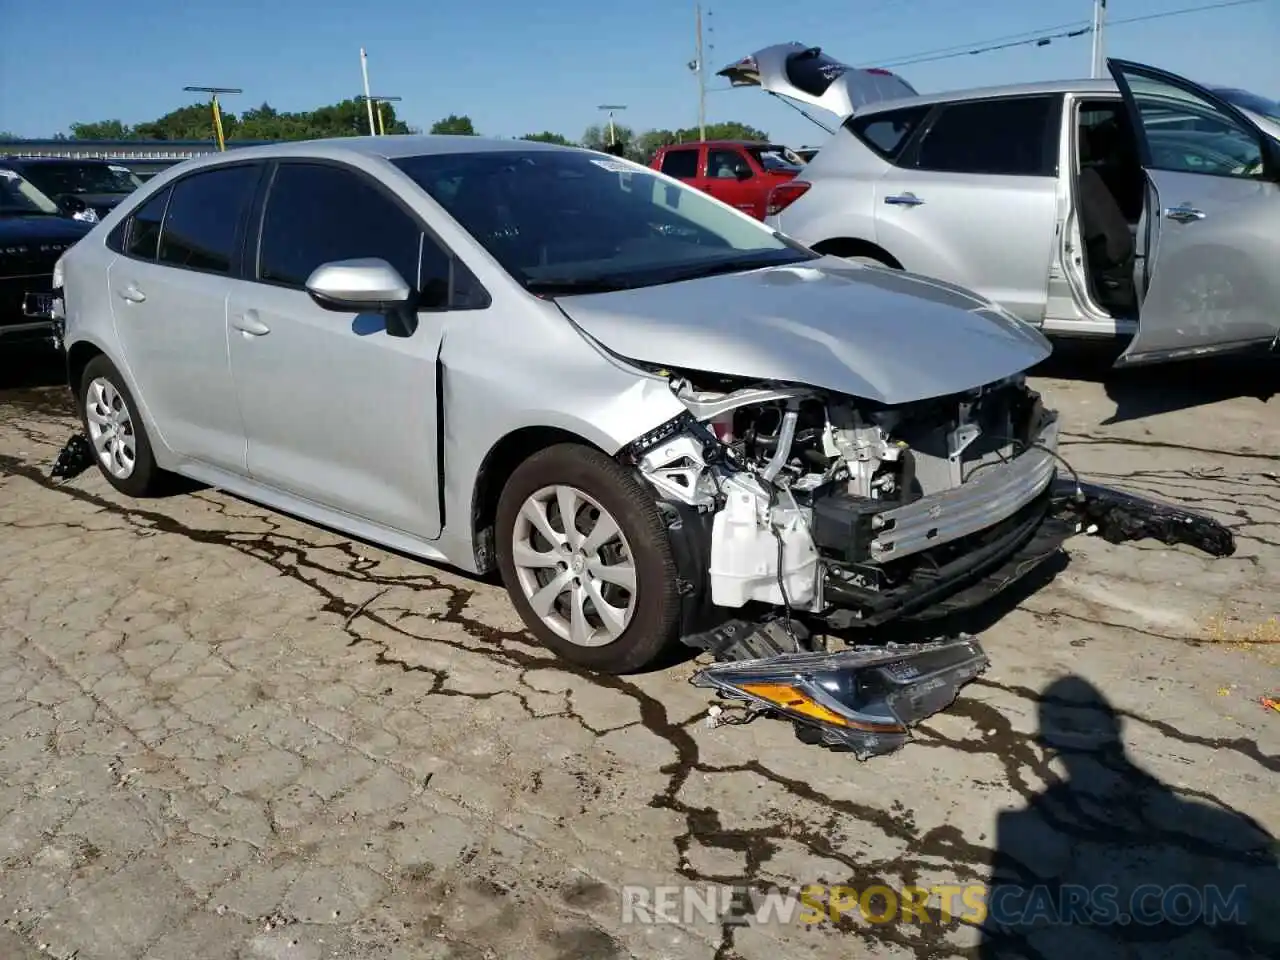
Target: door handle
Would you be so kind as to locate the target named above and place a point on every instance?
(904, 200)
(132, 294)
(1184, 214)
(249, 323)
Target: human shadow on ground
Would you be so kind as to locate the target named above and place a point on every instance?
(1109, 861)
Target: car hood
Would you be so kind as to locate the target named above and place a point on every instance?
(882, 335)
(39, 229)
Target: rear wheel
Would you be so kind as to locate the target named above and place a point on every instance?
(115, 431)
(585, 556)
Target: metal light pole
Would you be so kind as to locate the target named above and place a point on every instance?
(611, 107)
(1099, 21)
(382, 130)
(217, 112)
(368, 101)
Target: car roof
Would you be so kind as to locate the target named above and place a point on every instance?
(1095, 87)
(722, 143)
(388, 147)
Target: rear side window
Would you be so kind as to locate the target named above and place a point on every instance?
(682, 164)
(888, 133)
(1011, 137)
(144, 227)
(318, 213)
(202, 226)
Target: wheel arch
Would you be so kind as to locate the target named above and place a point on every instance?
(79, 355)
(855, 247)
(501, 460)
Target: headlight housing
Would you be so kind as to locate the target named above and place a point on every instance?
(863, 700)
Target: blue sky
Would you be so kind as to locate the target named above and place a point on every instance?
(517, 67)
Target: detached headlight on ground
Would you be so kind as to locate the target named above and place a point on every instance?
(860, 700)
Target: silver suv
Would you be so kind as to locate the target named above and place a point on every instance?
(1040, 197)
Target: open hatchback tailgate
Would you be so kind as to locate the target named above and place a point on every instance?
(808, 75)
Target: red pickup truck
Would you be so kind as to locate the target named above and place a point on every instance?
(741, 173)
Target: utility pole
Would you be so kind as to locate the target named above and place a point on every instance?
(382, 130)
(368, 100)
(217, 112)
(702, 76)
(1099, 22)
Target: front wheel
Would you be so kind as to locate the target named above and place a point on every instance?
(585, 556)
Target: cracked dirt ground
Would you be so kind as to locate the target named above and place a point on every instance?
(225, 733)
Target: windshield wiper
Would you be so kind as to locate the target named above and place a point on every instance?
(575, 285)
(715, 268)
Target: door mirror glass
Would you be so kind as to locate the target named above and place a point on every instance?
(742, 172)
(370, 285)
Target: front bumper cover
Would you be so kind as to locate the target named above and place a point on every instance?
(866, 699)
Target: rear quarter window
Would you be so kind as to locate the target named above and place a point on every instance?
(887, 134)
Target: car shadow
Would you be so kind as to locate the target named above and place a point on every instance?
(1109, 861)
(1162, 388)
(29, 366)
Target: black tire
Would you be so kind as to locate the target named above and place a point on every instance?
(655, 621)
(147, 479)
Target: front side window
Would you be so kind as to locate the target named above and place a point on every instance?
(1017, 136)
(144, 227)
(726, 164)
(682, 164)
(204, 217)
(566, 220)
(317, 213)
(1188, 134)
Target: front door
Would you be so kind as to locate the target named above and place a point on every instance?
(337, 411)
(169, 299)
(975, 200)
(1212, 245)
(730, 179)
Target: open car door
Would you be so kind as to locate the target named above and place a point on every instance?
(1209, 282)
(808, 75)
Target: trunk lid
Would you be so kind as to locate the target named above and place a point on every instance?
(809, 75)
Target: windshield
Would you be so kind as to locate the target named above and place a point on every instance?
(17, 196)
(1251, 101)
(777, 159)
(56, 179)
(573, 221)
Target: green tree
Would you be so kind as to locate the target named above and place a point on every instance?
(546, 136)
(455, 125)
(101, 130)
(7, 137)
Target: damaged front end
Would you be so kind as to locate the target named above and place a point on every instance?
(795, 511)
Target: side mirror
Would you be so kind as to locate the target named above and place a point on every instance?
(365, 286)
(742, 173)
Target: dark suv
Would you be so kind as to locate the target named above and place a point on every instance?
(78, 185)
(33, 235)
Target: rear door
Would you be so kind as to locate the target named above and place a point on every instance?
(973, 200)
(1211, 238)
(169, 289)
